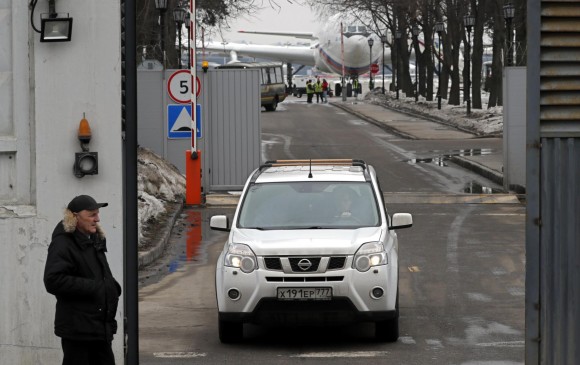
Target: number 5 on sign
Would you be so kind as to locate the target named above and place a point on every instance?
(179, 86)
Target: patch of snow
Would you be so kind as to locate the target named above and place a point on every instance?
(484, 122)
(158, 183)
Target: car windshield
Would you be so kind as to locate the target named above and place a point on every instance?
(309, 205)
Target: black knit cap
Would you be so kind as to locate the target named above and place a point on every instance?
(84, 202)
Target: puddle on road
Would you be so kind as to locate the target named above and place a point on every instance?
(440, 160)
(183, 247)
(443, 156)
(474, 187)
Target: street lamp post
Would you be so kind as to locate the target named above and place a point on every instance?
(179, 18)
(415, 31)
(468, 21)
(439, 28)
(508, 14)
(398, 35)
(384, 41)
(161, 5)
(371, 42)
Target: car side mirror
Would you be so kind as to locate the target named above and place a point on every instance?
(219, 223)
(401, 220)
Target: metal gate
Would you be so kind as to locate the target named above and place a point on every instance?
(553, 183)
(232, 141)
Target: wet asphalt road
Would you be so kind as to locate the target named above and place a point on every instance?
(461, 267)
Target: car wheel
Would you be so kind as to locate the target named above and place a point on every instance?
(388, 330)
(230, 332)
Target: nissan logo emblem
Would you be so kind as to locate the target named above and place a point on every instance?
(304, 264)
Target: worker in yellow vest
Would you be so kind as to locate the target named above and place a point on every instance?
(309, 91)
(318, 90)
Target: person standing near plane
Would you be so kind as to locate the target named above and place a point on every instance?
(355, 87)
(324, 91)
(309, 91)
(318, 90)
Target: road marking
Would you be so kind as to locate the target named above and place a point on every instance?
(407, 340)
(349, 354)
(179, 355)
(503, 344)
(414, 269)
(475, 214)
(442, 198)
(416, 198)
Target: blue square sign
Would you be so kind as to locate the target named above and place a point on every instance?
(179, 121)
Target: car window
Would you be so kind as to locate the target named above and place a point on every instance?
(300, 205)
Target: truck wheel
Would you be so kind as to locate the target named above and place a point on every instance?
(272, 107)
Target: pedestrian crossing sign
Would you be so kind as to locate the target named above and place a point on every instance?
(179, 121)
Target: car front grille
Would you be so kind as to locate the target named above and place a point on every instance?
(336, 263)
(273, 263)
(304, 264)
(303, 279)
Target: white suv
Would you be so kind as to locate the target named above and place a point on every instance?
(310, 243)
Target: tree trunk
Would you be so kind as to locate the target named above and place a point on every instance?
(495, 95)
(477, 56)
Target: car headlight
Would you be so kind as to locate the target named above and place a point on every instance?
(368, 255)
(240, 256)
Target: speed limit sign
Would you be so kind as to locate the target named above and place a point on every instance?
(179, 86)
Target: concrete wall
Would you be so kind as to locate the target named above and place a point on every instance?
(44, 90)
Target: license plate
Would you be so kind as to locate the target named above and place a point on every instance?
(304, 293)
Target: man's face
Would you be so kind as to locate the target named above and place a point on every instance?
(87, 221)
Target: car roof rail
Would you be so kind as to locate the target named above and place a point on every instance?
(306, 162)
(313, 162)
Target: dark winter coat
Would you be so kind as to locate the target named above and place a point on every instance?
(78, 274)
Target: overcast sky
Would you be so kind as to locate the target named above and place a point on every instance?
(290, 17)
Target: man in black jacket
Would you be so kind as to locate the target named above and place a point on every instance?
(87, 295)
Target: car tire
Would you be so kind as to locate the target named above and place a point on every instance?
(388, 330)
(230, 332)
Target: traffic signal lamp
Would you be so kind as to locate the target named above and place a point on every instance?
(86, 163)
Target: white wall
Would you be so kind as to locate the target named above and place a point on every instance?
(44, 90)
(514, 127)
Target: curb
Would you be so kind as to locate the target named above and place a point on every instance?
(479, 169)
(375, 122)
(147, 257)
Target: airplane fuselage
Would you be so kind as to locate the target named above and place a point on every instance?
(332, 49)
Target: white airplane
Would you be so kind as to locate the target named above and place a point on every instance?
(324, 54)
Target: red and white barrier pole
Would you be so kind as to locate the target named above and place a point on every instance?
(193, 187)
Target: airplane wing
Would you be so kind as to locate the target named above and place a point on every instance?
(304, 35)
(302, 55)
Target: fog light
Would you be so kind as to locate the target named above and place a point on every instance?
(234, 294)
(377, 292)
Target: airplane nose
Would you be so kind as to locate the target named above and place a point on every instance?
(360, 52)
